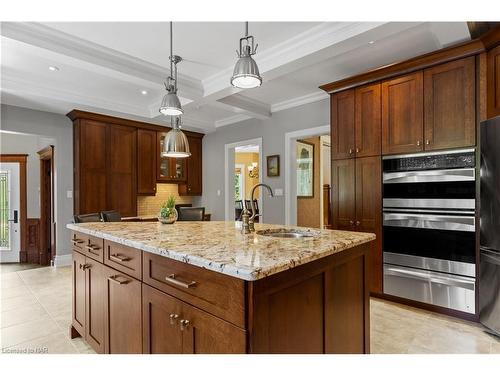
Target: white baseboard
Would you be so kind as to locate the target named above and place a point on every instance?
(63, 260)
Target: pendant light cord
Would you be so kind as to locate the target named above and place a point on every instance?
(246, 28)
(171, 53)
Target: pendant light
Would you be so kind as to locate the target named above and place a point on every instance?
(175, 144)
(171, 105)
(246, 73)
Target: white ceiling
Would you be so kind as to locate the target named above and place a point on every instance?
(103, 67)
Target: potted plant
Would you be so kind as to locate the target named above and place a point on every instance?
(168, 213)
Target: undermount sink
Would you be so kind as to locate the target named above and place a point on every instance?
(288, 233)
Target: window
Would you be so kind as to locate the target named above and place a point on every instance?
(4, 210)
(238, 184)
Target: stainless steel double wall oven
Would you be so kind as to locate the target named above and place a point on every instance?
(429, 203)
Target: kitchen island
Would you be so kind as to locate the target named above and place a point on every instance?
(203, 287)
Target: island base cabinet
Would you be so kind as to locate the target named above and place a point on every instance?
(122, 304)
(171, 326)
(78, 310)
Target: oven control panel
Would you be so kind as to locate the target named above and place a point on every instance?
(414, 162)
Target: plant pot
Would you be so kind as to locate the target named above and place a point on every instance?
(170, 219)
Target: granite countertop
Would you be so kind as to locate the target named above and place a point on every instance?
(219, 245)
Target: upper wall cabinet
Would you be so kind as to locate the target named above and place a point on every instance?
(449, 105)
(368, 120)
(146, 162)
(193, 185)
(402, 114)
(493, 82)
(169, 169)
(342, 124)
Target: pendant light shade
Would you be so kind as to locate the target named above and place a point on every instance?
(246, 72)
(175, 144)
(171, 105)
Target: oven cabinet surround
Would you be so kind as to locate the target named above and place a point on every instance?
(138, 299)
(113, 154)
(493, 68)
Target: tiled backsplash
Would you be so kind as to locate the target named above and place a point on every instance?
(150, 205)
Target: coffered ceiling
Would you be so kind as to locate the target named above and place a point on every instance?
(118, 68)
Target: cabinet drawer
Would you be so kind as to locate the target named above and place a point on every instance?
(93, 247)
(123, 258)
(78, 241)
(221, 295)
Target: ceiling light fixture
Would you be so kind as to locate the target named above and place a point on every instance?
(171, 105)
(246, 73)
(144, 92)
(371, 42)
(175, 144)
(53, 68)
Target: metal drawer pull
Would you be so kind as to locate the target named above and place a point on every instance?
(77, 241)
(173, 318)
(84, 266)
(115, 280)
(184, 324)
(119, 258)
(172, 280)
(93, 249)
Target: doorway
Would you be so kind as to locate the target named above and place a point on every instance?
(12, 208)
(47, 249)
(243, 161)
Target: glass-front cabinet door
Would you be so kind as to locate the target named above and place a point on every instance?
(170, 169)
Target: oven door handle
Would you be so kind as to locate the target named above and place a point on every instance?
(444, 222)
(432, 278)
(439, 175)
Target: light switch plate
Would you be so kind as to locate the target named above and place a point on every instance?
(69, 194)
(278, 192)
(218, 193)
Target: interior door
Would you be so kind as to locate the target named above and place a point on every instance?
(10, 230)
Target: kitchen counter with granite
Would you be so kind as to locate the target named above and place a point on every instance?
(220, 246)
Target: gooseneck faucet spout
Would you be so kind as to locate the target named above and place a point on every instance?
(254, 213)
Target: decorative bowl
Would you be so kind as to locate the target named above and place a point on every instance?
(170, 219)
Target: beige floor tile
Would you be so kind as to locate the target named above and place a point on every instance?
(52, 344)
(495, 348)
(15, 267)
(11, 282)
(22, 314)
(63, 320)
(82, 346)
(16, 302)
(20, 333)
(15, 291)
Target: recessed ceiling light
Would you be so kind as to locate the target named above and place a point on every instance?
(144, 92)
(371, 42)
(53, 68)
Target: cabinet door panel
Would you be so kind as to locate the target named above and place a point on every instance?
(122, 170)
(161, 334)
(78, 310)
(369, 212)
(343, 194)
(92, 192)
(146, 162)
(207, 334)
(402, 114)
(94, 305)
(193, 185)
(449, 92)
(342, 124)
(169, 169)
(493, 82)
(123, 309)
(368, 132)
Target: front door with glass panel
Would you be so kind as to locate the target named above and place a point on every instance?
(9, 212)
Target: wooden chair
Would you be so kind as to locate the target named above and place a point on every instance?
(238, 209)
(191, 213)
(87, 218)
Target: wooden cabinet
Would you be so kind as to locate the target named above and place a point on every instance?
(402, 114)
(171, 326)
(146, 162)
(493, 82)
(123, 311)
(105, 163)
(368, 121)
(78, 310)
(342, 124)
(193, 185)
(169, 169)
(449, 105)
(357, 200)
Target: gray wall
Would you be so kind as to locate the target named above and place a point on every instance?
(28, 144)
(272, 132)
(60, 129)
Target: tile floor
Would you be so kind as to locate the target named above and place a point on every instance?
(36, 313)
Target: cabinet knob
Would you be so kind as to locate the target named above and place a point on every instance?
(184, 324)
(358, 223)
(427, 142)
(418, 143)
(357, 149)
(351, 151)
(351, 222)
(173, 318)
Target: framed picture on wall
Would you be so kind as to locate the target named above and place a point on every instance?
(273, 166)
(305, 169)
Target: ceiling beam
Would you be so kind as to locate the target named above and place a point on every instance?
(247, 106)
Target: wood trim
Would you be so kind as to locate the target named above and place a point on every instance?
(45, 154)
(76, 114)
(21, 159)
(33, 254)
(491, 39)
(459, 51)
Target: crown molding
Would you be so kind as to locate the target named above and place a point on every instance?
(57, 41)
(301, 100)
(231, 120)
